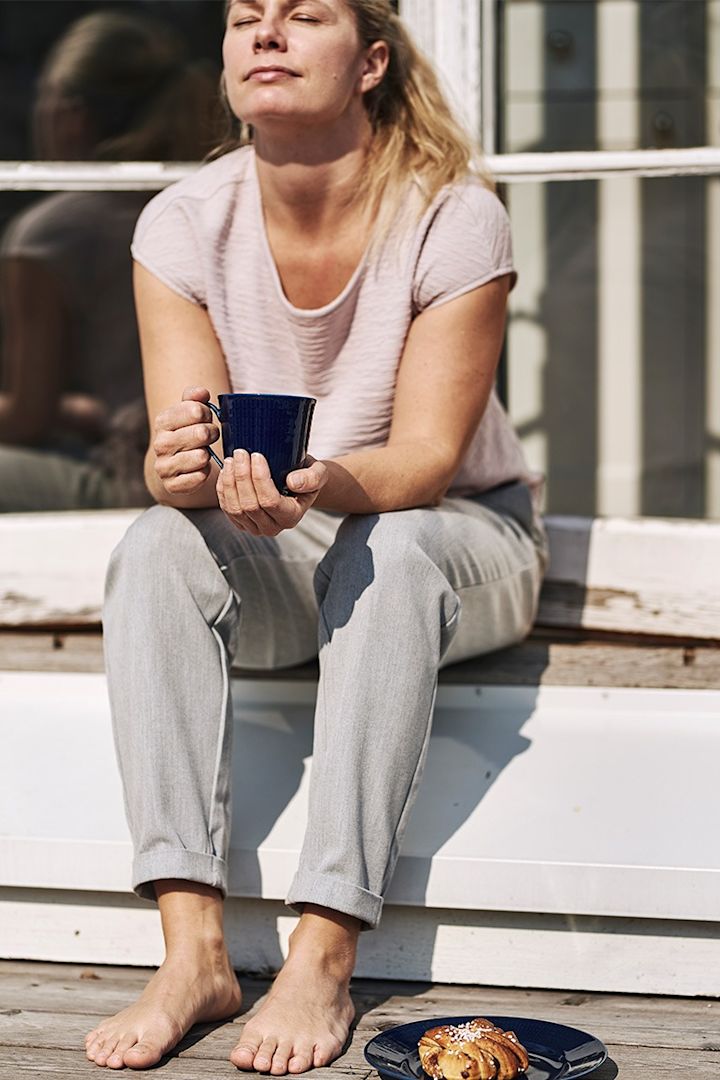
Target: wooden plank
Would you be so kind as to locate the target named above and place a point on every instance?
(40, 651)
(205, 1042)
(206, 1055)
(630, 1063)
(646, 576)
(622, 1021)
(71, 1064)
(65, 1030)
(64, 990)
(539, 661)
(649, 1063)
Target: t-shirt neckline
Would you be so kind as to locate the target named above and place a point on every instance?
(300, 313)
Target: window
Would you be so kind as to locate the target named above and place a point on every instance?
(105, 82)
(612, 368)
(601, 119)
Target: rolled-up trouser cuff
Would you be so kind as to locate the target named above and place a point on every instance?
(177, 863)
(333, 892)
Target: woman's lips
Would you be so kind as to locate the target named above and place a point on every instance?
(270, 74)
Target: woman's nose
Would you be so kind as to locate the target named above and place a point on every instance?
(269, 35)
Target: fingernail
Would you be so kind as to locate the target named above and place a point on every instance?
(296, 480)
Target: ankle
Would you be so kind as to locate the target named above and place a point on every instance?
(203, 952)
(192, 920)
(327, 939)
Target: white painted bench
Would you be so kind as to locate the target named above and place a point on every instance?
(574, 842)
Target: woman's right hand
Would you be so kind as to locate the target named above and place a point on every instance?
(181, 438)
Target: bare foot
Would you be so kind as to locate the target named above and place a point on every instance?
(184, 991)
(304, 1022)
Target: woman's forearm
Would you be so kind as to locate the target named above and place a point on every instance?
(397, 477)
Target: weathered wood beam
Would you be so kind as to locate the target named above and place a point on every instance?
(539, 661)
(641, 576)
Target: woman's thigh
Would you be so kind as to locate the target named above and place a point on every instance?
(490, 571)
(272, 579)
(496, 572)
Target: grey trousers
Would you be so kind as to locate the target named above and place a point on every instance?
(384, 600)
(33, 480)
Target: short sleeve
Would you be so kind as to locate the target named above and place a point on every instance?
(466, 244)
(165, 243)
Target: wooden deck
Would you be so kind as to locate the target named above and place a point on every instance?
(46, 1009)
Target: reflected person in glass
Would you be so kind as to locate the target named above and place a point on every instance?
(73, 427)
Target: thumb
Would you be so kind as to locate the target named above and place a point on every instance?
(309, 478)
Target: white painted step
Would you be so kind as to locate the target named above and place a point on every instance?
(574, 801)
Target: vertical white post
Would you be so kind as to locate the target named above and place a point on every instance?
(489, 61)
(712, 232)
(448, 32)
(619, 301)
(527, 334)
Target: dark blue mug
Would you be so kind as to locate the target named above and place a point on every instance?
(275, 425)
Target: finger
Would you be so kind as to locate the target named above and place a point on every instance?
(266, 491)
(183, 415)
(238, 492)
(241, 480)
(310, 479)
(241, 499)
(187, 461)
(239, 520)
(226, 504)
(185, 438)
(186, 483)
(195, 393)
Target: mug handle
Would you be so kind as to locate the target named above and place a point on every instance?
(214, 409)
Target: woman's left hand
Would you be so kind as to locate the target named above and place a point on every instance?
(249, 497)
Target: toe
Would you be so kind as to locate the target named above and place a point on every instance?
(301, 1061)
(141, 1055)
(325, 1052)
(264, 1056)
(117, 1058)
(280, 1058)
(244, 1053)
(103, 1050)
(93, 1043)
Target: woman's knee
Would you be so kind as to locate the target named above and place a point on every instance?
(385, 540)
(158, 537)
(391, 552)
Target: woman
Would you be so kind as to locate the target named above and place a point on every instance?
(349, 255)
(116, 86)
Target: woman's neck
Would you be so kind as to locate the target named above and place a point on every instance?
(309, 183)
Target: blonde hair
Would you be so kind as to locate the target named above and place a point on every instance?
(415, 135)
(145, 99)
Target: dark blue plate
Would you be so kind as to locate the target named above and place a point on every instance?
(554, 1050)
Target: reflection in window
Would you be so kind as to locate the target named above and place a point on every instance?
(116, 85)
(613, 359)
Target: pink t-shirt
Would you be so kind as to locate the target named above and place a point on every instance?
(205, 238)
